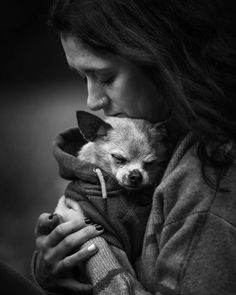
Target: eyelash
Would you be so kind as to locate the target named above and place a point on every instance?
(150, 163)
(107, 81)
(119, 159)
(103, 82)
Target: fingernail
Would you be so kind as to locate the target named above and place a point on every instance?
(99, 227)
(51, 216)
(88, 221)
(92, 247)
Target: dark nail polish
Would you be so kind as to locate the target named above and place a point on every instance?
(50, 217)
(99, 227)
(88, 221)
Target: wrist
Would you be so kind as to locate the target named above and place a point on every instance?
(103, 262)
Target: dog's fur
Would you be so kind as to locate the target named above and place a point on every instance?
(131, 150)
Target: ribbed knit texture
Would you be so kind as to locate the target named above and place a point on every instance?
(103, 262)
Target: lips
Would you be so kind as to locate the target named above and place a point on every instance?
(121, 115)
(118, 115)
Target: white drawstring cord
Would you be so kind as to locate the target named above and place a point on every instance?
(102, 182)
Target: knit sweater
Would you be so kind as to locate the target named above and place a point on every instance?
(190, 240)
(122, 213)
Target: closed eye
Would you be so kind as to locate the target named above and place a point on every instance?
(150, 163)
(107, 81)
(119, 159)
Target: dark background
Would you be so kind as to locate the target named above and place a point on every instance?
(38, 99)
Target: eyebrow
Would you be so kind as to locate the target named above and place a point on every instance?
(92, 70)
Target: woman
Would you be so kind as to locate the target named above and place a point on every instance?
(155, 60)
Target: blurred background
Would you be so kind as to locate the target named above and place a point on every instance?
(38, 99)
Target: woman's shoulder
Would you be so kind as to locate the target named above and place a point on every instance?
(185, 189)
(183, 157)
(186, 158)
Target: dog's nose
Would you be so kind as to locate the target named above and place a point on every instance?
(135, 177)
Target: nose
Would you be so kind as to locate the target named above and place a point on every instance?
(135, 177)
(97, 99)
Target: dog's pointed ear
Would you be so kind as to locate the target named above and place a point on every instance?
(91, 126)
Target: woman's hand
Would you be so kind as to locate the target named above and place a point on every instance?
(60, 260)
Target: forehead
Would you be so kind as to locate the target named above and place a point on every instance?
(133, 137)
(81, 57)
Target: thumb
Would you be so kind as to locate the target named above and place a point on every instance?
(46, 223)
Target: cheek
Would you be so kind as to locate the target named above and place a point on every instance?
(114, 169)
(145, 177)
(123, 92)
(121, 173)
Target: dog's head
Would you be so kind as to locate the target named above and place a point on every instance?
(132, 150)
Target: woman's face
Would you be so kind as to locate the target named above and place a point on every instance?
(114, 85)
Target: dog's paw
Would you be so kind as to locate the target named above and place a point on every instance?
(69, 210)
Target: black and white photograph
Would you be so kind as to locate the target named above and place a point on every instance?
(118, 147)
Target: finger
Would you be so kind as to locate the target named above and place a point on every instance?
(75, 259)
(46, 223)
(75, 286)
(40, 243)
(73, 241)
(63, 230)
(43, 242)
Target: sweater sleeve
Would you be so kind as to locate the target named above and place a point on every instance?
(110, 271)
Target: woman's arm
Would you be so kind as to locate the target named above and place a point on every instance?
(199, 257)
(57, 260)
(109, 267)
(111, 272)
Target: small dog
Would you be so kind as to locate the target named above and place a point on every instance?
(132, 150)
(134, 153)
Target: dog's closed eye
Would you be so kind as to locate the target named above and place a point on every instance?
(150, 163)
(119, 159)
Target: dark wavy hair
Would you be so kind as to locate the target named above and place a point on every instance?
(186, 47)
